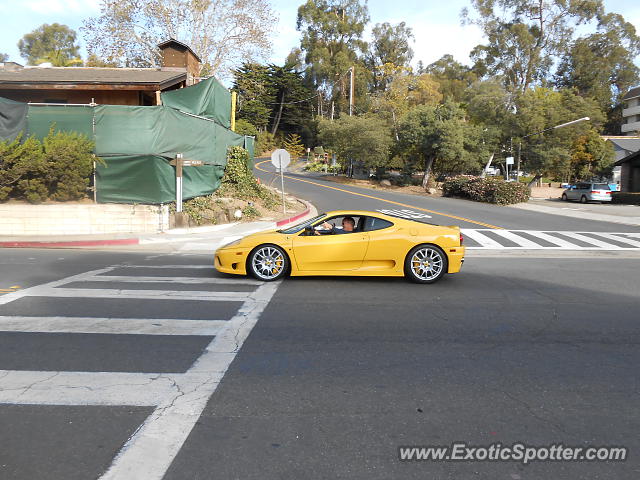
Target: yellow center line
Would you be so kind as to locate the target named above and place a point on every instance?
(382, 199)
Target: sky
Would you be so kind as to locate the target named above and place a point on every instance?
(435, 23)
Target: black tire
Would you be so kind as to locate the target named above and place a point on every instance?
(564, 197)
(260, 261)
(583, 199)
(437, 264)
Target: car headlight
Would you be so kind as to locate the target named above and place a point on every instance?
(230, 244)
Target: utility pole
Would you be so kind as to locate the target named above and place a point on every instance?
(352, 69)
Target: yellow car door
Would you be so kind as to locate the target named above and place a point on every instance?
(321, 253)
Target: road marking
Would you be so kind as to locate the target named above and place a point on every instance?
(20, 387)
(140, 294)
(481, 238)
(122, 326)
(186, 280)
(486, 243)
(380, 199)
(150, 451)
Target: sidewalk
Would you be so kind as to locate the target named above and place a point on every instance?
(184, 240)
(623, 214)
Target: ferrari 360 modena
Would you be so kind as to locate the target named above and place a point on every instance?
(347, 242)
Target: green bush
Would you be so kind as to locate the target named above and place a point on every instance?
(490, 190)
(265, 142)
(315, 166)
(59, 167)
(626, 198)
(238, 180)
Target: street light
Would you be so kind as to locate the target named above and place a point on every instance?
(572, 122)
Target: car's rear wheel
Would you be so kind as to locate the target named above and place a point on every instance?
(583, 199)
(564, 197)
(426, 264)
(268, 263)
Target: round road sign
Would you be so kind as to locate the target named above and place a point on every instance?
(280, 158)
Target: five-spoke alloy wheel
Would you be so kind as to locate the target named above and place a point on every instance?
(268, 263)
(426, 264)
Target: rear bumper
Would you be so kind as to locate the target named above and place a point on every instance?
(599, 198)
(231, 261)
(456, 259)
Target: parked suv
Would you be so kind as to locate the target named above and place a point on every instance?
(588, 192)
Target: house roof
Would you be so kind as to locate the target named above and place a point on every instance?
(633, 93)
(628, 158)
(631, 144)
(76, 76)
(174, 42)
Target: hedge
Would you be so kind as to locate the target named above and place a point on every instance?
(627, 198)
(489, 190)
(58, 168)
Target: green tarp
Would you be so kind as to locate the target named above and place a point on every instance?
(65, 118)
(137, 143)
(208, 98)
(13, 119)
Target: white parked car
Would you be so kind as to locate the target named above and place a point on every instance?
(588, 192)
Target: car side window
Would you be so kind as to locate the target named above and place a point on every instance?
(373, 223)
(338, 225)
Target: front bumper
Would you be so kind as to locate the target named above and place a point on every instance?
(231, 260)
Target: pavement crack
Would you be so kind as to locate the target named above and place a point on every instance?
(30, 386)
(534, 414)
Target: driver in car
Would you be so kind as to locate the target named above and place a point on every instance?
(348, 226)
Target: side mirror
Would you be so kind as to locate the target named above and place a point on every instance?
(309, 230)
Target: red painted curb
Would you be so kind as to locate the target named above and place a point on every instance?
(294, 218)
(71, 243)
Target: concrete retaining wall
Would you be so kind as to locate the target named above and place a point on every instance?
(81, 219)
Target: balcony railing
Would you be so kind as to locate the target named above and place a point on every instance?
(631, 127)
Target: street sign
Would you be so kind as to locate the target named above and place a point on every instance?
(187, 163)
(509, 160)
(280, 158)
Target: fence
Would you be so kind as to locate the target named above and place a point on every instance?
(137, 143)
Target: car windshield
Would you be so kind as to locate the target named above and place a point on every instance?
(300, 226)
(600, 186)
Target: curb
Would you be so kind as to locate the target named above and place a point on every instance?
(71, 243)
(298, 216)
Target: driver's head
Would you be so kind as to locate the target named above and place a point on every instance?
(349, 224)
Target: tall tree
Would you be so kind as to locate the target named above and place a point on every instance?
(273, 98)
(4, 57)
(331, 41)
(434, 136)
(390, 45)
(222, 32)
(601, 65)
(53, 41)
(453, 76)
(524, 36)
(363, 138)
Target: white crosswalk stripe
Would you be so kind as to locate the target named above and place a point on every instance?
(178, 398)
(488, 239)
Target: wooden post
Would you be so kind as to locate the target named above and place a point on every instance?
(234, 99)
(158, 98)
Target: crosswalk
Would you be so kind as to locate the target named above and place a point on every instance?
(494, 239)
(178, 397)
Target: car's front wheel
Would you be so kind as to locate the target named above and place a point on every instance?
(426, 264)
(268, 263)
(564, 197)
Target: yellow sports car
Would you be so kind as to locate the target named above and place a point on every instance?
(351, 243)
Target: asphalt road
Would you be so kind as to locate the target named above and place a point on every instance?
(327, 195)
(127, 352)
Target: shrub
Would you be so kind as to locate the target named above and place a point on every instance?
(59, 167)
(315, 166)
(628, 198)
(238, 180)
(70, 160)
(490, 190)
(265, 142)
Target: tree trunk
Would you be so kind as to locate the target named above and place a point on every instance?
(428, 162)
(534, 180)
(276, 122)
